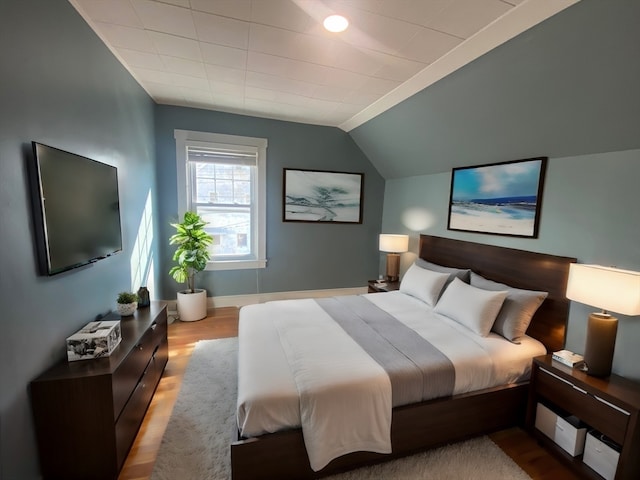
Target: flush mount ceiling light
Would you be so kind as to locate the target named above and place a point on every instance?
(336, 23)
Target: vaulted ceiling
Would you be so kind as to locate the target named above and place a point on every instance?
(273, 59)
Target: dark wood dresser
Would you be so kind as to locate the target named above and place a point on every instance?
(87, 413)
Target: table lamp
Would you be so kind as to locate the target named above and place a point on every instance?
(394, 245)
(609, 289)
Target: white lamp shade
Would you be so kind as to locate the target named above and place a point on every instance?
(605, 287)
(394, 243)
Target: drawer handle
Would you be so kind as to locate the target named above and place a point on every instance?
(153, 326)
(562, 380)
(139, 346)
(611, 405)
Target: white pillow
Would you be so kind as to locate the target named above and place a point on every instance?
(472, 307)
(518, 308)
(423, 284)
(462, 273)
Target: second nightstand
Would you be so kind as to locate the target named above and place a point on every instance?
(390, 287)
(610, 405)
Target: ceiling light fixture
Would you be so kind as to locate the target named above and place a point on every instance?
(336, 23)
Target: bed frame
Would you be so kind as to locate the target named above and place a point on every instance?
(425, 425)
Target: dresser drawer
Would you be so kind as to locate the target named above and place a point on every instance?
(133, 412)
(128, 373)
(159, 329)
(600, 414)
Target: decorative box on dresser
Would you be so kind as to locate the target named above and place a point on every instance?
(609, 405)
(87, 413)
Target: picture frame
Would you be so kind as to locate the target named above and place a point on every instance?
(502, 198)
(322, 196)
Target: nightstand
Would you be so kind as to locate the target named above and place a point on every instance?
(609, 405)
(391, 286)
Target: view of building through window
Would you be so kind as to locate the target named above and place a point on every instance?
(223, 198)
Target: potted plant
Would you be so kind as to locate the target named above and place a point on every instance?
(191, 257)
(127, 302)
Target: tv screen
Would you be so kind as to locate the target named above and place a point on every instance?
(77, 207)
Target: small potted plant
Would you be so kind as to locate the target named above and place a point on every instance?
(127, 302)
(191, 257)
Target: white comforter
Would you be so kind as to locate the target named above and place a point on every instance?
(339, 385)
(298, 368)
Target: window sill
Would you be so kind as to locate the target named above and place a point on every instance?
(236, 265)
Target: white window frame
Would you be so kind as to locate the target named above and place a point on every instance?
(186, 138)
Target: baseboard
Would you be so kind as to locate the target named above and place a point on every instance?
(241, 300)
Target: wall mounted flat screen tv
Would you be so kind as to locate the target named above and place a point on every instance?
(77, 209)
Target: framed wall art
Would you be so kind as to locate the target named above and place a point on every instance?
(499, 198)
(322, 196)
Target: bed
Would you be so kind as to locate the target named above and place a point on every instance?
(275, 447)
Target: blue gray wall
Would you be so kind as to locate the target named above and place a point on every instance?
(61, 86)
(567, 89)
(301, 256)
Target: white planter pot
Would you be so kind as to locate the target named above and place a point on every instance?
(192, 306)
(126, 309)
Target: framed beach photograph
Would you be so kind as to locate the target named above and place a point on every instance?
(322, 196)
(500, 198)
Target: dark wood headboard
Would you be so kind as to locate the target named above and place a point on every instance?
(517, 268)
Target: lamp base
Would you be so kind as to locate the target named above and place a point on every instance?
(393, 267)
(601, 342)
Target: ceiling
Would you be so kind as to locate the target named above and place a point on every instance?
(273, 59)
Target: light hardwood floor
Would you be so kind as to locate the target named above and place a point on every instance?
(223, 322)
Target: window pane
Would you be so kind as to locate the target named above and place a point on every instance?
(224, 190)
(231, 229)
(223, 184)
(241, 172)
(224, 171)
(242, 193)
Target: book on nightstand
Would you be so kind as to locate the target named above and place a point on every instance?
(568, 358)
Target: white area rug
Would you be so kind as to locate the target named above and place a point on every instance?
(195, 445)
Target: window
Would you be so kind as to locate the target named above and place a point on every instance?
(222, 178)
